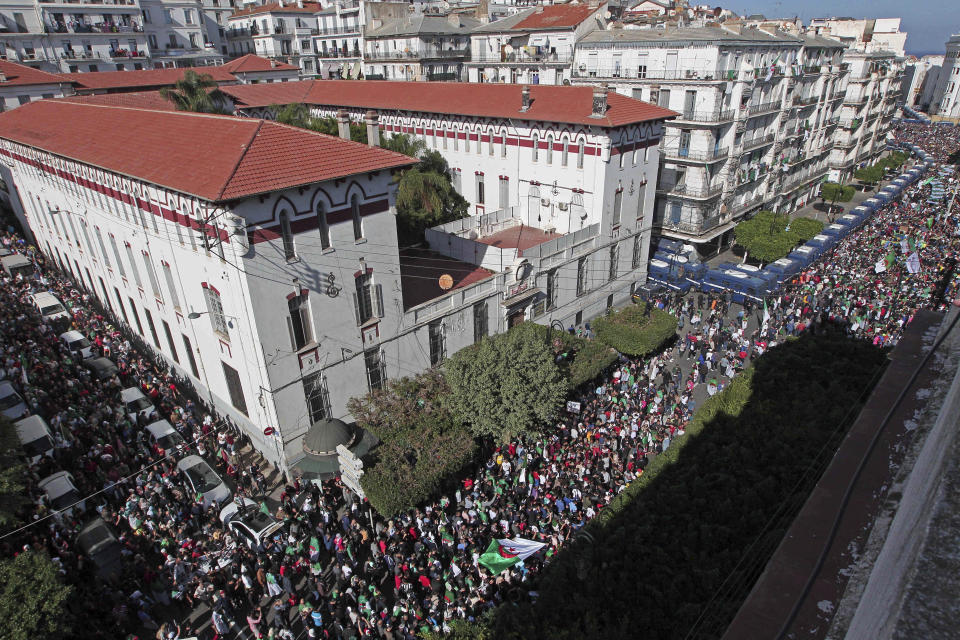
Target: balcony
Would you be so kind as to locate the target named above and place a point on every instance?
(763, 108)
(713, 117)
(686, 155)
(802, 177)
(757, 141)
(241, 32)
(703, 192)
(338, 31)
(812, 69)
(100, 27)
(688, 227)
(127, 53)
(338, 53)
(853, 124)
(805, 101)
(750, 176)
(419, 54)
(855, 100)
(640, 73)
(443, 77)
(520, 57)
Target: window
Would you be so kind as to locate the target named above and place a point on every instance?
(435, 334)
(193, 41)
(188, 347)
(504, 192)
(287, 235)
(490, 144)
(368, 299)
(170, 343)
(153, 328)
(617, 206)
(355, 214)
(171, 287)
(443, 134)
(536, 147)
(580, 152)
(116, 254)
(173, 41)
(480, 322)
(152, 275)
(455, 180)
(642, 65)
(549, 149)
(565, 152)
(188, 16)
(480, 189)
(168, 16)
(152, 39)
(133, 267)
(235, 388)
(503, 144)
(551, 289)
(299, 321)
(136, 316)
(376, 371)
(103, 248)
(323, 226)
(215, 311)
(582, 275)
(123, 309)
(637, 251)
(641, 196)
(614, 260)
(317, 396)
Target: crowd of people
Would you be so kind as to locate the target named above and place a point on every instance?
(338, 571)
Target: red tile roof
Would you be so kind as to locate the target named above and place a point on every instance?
(274, 7)
(556, 16)
(238, 157)
(21, 75)
(250, 63)
(550, 103)
(134, 99)
(520, 237)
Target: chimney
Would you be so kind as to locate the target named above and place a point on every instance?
(343, 124)
(373, 128)
(525, 100)
(599, 101)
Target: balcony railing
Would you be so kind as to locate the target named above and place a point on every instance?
(418, 54)
(763, 107)
(716, 115)
(758, 141)
(443, 77)
(689, 191)
(696, 156)
(805, 101)
(855, 100)
(100, 2)
(811, 69)
(127, 53)
(239, 32)
(690, 228)
(100, 27)
(743, 207)
(338, 53)
(338, 31)
(643, 73)
(520, 57)
(750, 176)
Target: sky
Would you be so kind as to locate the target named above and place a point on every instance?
(928, 23)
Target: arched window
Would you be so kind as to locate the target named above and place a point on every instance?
(323, 226)
(533, 203)
(503, 144)
(580, 154)
(536, 147)
(443, 134)
(549, 149)
(565, 153)
(490, 142)
(355, 213)
(288, 250)
(300, 323)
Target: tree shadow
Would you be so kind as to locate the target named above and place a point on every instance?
(719, 505)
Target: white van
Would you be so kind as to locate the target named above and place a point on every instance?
(35, 437)
(50, 307)
(135, 403)
(16, 264)
(165, 437)
(77, 343)
(62, 492)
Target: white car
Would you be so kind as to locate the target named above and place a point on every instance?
(249, 525)
(77, 343)
(62, 493)
(135, 403)
(165, 436)
(11, 404)
(35, 438)
(203, 480)
(50, 307)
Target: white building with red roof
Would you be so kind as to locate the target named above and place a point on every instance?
(20, 84)
(535, 46)
(281, 31)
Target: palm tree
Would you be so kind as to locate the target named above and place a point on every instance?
(196, 92)
(407, 145)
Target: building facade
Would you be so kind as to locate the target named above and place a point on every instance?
(277, 31)
(946, 97)
(21, 85)
(867, 34)
(920, 81)
(338, 43)
(419, 47)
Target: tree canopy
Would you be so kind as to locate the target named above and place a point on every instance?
(634, 332)
(506, 385)
(835, 192)
(196, 92)
(766, 237)
(12, 490)
(32, 598)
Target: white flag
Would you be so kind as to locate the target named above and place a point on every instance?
(913, 263)
(904, 246)
(519, 547)
(880, 267)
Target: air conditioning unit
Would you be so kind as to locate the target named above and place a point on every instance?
(544, 202)
(562, 206)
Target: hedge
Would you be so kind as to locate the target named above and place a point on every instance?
(631, 332)
(592, 358)
(766, 238)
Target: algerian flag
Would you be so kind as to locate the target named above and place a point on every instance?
(913, 263)
(504, 553)
(930, 222)
(314, 547)
(264, 509)
(880, 267)
(766, 314)
(891, 259)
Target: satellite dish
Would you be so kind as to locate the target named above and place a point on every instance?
(508, 49)
(446, 282)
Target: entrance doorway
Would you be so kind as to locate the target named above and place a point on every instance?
(515, 316)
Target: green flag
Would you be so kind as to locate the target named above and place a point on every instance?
(314, 546)
(891, 259)
(495, 561)
(930, 222)
(264, 509)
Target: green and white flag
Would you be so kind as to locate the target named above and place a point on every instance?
(504, 553)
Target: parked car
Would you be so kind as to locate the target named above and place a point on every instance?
(11, 404)
(251, 526)
(165, 437)
(136, 403)
(203, 480)
(62, 492)
(50, 308)
(102, 368)
(35, 438)
(77, 343)
(98, 542)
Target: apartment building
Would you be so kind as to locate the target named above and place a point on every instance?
(535, 46)
(337, 44)
(281, 31)
(754, 110)
(419, 47)
(869, 105)
(21, 85)
(215, 14)
(920, 81)
(946, 96)
(867, 34)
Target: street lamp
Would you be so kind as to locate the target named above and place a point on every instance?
(193, 315)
